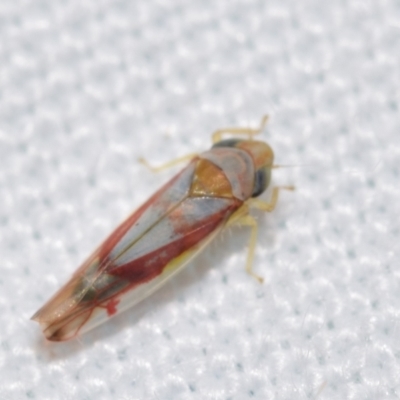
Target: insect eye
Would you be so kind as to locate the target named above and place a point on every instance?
(227, 143)
(261, 181)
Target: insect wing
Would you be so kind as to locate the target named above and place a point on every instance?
(138, 257)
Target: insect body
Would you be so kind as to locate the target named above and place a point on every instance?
(214, 190)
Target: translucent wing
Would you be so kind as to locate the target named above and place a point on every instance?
(137, 258)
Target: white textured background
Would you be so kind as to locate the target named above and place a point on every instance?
(87, 87)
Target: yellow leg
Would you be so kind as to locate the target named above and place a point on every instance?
(168, 164)
(217, 135)
(268, 205)
(248, 220)
(242, 218)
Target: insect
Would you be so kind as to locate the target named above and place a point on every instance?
(215, 190)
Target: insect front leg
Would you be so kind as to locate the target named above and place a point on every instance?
(269, 205)
(217, 135)
(168, 164)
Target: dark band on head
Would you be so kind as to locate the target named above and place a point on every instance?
(227, 143)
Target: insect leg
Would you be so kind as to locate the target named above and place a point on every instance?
(217, 135)
(242, 218)
(248, 220)
(168, 164)
(269, 205)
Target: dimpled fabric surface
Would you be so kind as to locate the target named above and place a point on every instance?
(88, 87)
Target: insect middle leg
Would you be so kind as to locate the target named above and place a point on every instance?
(217, 135)
(249, 220)
(243, 218)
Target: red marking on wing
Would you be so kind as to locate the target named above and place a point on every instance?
(111, 306)
(152, 264)
(117, 235)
